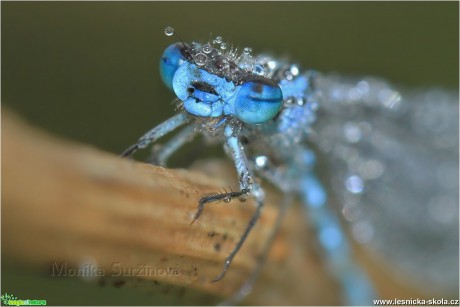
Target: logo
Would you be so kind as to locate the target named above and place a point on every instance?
(11, 300)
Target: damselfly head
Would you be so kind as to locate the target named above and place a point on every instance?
(213, 80)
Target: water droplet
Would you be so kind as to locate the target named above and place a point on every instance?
(354, 184)
(271, 64)
(200, 59)
(261, 161)
(352, 132)
(363, 87)
(207, 48)
(223, 46)
(247, 50)
(300, 101)
(258, 70)
(218, 39)
(351, 212)
(169, 31)
(389, 98)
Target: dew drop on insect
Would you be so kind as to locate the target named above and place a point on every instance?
(261, 161)
(271, 64)
(258, 70)
(207, 48)
(218, 39)
(247, 50)
(169, 31)
(294, 70)
(352, 132)
(351, 212)
(223, 46)
(200, 59)
(354, 184)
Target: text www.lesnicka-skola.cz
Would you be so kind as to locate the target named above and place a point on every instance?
(417, 301)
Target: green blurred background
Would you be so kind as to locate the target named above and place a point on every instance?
(88, 71)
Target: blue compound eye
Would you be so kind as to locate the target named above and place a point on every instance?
(258, 101)
(172, 58)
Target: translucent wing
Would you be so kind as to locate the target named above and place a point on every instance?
(392, 159)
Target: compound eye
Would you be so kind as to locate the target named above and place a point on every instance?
(258, 101)
(171, 60)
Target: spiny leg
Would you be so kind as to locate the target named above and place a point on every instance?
(246, 288)
(235, 150)
(212, 197)
(157, 132)
(252, 222)
(160, 156)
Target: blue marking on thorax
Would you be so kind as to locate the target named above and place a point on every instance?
(296, 119)
(295, 88)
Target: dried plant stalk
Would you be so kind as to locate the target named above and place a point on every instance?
(69, 202)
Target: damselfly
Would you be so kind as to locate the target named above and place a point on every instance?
(393, 156)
